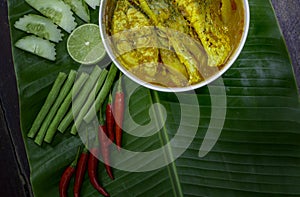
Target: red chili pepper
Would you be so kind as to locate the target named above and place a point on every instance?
(92, 171)
(67, 175)
(104, 143)
(119, 112)
(80, 171)
(110, 121)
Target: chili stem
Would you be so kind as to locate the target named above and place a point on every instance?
(119, 87)
(74, 163)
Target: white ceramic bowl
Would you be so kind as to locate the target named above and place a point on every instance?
(104, 20)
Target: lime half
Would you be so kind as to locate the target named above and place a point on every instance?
(84, 44)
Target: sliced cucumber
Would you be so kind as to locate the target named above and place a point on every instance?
(40, 26)
(59, 12)
(37, 46)
(93, 3)
(80, 8)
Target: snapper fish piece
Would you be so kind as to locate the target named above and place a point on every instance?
(134, 40)
(207, 22)
(182, 40)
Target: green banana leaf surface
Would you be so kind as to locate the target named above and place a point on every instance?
(258, 150)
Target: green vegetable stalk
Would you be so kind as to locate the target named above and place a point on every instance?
(64, 107)
(80, 99)
(88, 102)
(62, 95)
(102, 94)
(47, 105)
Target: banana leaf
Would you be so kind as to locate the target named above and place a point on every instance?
(246, 124)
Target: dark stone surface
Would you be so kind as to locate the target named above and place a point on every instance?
(11, 178)
(289, 20)
(14, 170)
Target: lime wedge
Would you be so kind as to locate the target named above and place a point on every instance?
(84, 44)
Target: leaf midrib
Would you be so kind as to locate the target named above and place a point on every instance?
(164, 139)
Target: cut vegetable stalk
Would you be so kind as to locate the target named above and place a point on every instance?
(93, 3)
(48, 103)
(37, 46)
(80, 99)
(64, 107)
(102, 94)
(39, 26)
(63, 93)
(88, 103)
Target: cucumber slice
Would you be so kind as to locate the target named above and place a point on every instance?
(93, 3)
(80, 8)
(40, 26)
(59, 12)
(37, 46)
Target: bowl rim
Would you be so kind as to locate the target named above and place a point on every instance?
(233, 57)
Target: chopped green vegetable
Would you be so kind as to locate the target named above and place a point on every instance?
(88, 103)
(93, 3)
(56, 10)
(63, 109)
(37, 46)
(102, 94)
(40, 26)
(79, 84)
(63, 93)
(47, 105)
(80, 8)
(80, 99)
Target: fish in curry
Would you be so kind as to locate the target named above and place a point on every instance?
(175, 43)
